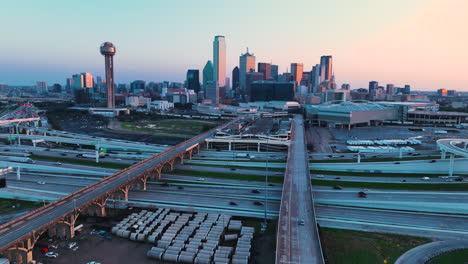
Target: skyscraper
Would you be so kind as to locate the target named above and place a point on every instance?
(246, 64)
(108, 50)
(265, 68)
(373, 87)
(326, 68)
(407, 89)
(88, 81)
(315, 78)
(219, 60)
(296, 71)
(212, 92)
(207, 74)
(193, 80)
(274, 72)
(390, 89)
(137, 86)
(41, 87)
(235, 78)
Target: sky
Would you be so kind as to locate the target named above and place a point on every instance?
(418, 42)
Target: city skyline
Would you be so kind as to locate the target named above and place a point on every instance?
(389, 50)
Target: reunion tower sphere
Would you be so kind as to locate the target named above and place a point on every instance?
(108, 49)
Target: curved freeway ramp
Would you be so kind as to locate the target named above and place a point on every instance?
(452, 145)
(426, 252)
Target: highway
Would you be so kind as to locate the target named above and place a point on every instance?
(259, 171)
(297, 243)
(454, 145)
(392, 179)
(19, 228)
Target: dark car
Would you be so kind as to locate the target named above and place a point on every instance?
(63, 154)
(180, 187)
(362, 194)
(255, 191)
(233, 169)
(258, 203)
(397, 162)
(432, 161)
(165, 184)
(458, 179)
(232, 203)
(337, 178)
(403, 180)
(337, 187)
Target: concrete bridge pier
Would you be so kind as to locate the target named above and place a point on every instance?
(443, 154)
(64, 229)
(98, 208)
(451, 164)
(22, 253)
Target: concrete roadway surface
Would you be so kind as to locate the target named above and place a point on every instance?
(418, 201)
(238, 163)
(440, 167)
(441, 226)
(432, 179)
(53, 167)
(296, 242)
(192, 179)
(424, 253)
(259, 172)
(235, 154)
(353, 155)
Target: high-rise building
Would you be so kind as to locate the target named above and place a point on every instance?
(407, 89)
(246, 64)
(108, 50)
(296, 71)
(207, 74)
(212, 92)
(315, 78)
(88, 81)
(390, 89)
(41, 87)
(193, 80)
(250, 78)
(68, 85)
(442, 92)
(77, 82)
(373, 87)
(274, 72)
(137, 86)
(3, 87)
(56, 88)
(272, 91)
(265, 68)
(326, 68)
(235, 78)
(219, 60)
(451, 93)
(345, 86)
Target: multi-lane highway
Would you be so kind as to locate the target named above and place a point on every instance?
(297, 239)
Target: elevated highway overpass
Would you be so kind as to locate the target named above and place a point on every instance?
(18, 237)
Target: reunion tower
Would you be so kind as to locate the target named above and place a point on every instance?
(108, 50)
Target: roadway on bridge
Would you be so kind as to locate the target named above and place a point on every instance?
(297, 243)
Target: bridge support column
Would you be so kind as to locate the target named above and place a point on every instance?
(359, 157)
(18, 173)
(258, 147)
(22, 252)
(443, 154)
(451, 164)
(229, 145)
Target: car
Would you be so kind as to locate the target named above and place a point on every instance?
(271, 184)
(71, 245)
(337, 178)
(258, 203)
(47, 149)
(232, 203)
(459, 179)
(432, 161)
(201, 179)
(255, 191)
(63, 154)
(233, 169)
(396, 162)
(449, 180)
(54, 246)
(51, 255)
(337, 187)
(180, 187)
(425, 178)
(44, 250)
(301, 222)
(403, 180)
(165, 184)
(362, 194)
(58, 163)
(118, 159)
(319, 176)
(6, 150)
(41, 182)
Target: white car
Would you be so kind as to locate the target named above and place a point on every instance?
(425, 178)
(51, 255)
(41, 182)
(201, 179)
(319, 176)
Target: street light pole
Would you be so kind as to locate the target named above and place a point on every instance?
(266, 186)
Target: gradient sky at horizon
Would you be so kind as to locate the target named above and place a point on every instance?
(417, 42)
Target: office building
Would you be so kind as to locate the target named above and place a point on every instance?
(235, 78)
(442, 92)
(193, 80)
(373, 87)
(265, 68)
(326, 68)
(250, 78)
(246, 64)
(207, 74)
(272, 91)
(68, 85)
(219, 60)
(88, 81)
(345, 86)
(274, 72)
(390, 89)
(56, 88)
(296, 71)
(315, 78)
(41, 87)
(137, 86)
(451, 93)
(108, 50)
(212, 92)
(407, 89)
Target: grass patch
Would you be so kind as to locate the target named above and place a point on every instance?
(228, 176)
(459, 256)
(109, 165)
(263, 244)
(181, 127)
(357, 247)
(395, 186)
(11, 205)
(369, 174)
(375, 159)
